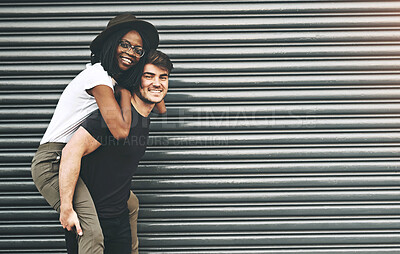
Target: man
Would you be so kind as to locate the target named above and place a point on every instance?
(108, 164)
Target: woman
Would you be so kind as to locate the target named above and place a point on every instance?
(117, 58)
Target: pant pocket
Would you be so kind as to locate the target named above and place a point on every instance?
(55, 162)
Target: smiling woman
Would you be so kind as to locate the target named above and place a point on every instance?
(125, 56)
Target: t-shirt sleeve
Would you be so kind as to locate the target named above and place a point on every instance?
(97, 127)
(96, 75)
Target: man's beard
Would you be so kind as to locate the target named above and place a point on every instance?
(145, 100)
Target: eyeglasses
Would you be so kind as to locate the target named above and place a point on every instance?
(136, 49)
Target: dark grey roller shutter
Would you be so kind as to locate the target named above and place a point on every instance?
(282, 133)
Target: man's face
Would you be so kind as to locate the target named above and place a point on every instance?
(154, 84)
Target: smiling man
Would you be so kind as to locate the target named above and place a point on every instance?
(107, 165)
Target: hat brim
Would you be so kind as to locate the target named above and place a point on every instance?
(145, 28)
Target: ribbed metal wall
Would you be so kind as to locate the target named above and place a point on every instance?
(282, 134)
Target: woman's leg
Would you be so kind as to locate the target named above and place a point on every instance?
(133, 207)
(92, 240)
(45, 166)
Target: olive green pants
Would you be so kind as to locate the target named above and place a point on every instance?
(45, 166)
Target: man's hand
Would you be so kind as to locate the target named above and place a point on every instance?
(69, 219)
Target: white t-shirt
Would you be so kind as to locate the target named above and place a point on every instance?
(75, 104)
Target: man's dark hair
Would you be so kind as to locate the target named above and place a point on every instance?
(160, 60)
(130, 78)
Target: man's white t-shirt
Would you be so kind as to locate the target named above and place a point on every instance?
(75, 104)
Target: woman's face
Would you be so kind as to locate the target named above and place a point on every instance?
(126, 55)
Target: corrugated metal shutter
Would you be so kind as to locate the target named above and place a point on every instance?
(282, 134)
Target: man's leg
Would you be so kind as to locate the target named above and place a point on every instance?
(117, 234)
(45, 166)
(133, 207)
(71, 242)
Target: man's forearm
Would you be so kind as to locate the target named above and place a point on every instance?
(81, 144)
(69, 173)
(68, 176)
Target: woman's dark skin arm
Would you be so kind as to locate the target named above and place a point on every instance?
(118, 118)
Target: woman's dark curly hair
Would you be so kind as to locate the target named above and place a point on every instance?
(130, 78)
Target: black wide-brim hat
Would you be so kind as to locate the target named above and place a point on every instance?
(123, 21)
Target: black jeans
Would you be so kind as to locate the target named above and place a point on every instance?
(117, 234)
